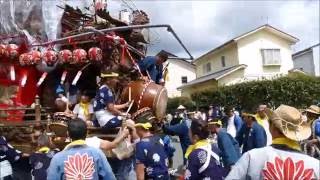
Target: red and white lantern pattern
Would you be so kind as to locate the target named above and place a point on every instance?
(3, 48)
(79, 56)
(65, 56)
(25, 59)
(95, 54)
(35, 56)
(12, 51)
(31, 58)
(50, 57)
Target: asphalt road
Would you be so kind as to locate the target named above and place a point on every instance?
(178, 156)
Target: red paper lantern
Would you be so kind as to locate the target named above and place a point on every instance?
(65, 56)
(35, 57)
(25, 59)
(79, 56)
(95, 54)
(12, 51)
(3, 48)
(50, 57)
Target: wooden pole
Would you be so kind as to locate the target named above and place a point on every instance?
(37, 108)
(129, 93)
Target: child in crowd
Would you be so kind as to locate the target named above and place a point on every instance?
(40, 160)
(84, 109)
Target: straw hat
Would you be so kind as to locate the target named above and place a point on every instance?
(181, 107)
(290, 122)
(313, 109)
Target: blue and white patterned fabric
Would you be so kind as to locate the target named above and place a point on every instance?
(8, 155)
(197, 159)
(150, 152)
(40, 162)
(103, 97)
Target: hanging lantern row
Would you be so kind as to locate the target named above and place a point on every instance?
(50, 57)
(10, 51)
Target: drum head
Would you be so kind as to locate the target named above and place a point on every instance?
(160, 104)
(60, 129)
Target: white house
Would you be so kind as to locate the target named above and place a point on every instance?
(180, 72)
(308, 60)
(264, 52)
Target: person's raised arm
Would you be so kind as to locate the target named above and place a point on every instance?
(122, 106)
(173, 130)
(107, 145)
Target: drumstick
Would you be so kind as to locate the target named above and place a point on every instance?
(148, 75)
(67, 110)
(129, 93)
(130, 106)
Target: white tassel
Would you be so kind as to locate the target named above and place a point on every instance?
(63, 77)
(24, 80)
(43, 76)
(12, 73)
(75, 80)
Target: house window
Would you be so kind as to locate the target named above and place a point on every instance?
(271, 56)
(223, 61)
(206, 68)
(184, 79)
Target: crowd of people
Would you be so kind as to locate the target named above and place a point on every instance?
(220, 143)
(265, 144)
(228, 145)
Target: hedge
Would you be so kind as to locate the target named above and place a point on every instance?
(173, 104)
(296, 90)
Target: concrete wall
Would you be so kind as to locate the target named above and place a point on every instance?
(249, 53)
(231, 59)
(316, 59)
(304, 62)
(233, 78)
(177, 69)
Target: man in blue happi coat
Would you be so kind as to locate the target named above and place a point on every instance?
(152, 66)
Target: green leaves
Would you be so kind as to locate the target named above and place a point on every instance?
(295, 90)
(173, 104)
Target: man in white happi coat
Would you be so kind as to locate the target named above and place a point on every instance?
(283, 159)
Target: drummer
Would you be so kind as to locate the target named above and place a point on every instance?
(152, 66)
(108, 114)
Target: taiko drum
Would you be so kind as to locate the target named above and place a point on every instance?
(147, 94)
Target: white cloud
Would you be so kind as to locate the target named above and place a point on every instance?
(203, 25)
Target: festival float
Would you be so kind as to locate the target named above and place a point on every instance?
(41, 48)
